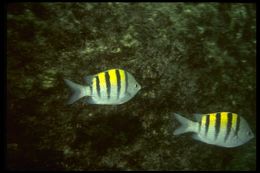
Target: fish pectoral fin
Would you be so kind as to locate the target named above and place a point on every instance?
(128, 94)
(233, 130)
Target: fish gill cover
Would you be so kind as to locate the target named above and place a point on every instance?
(189, 57)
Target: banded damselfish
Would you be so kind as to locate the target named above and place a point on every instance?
(111, 87)
(224, 129)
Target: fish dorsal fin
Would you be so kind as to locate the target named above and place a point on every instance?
(88, 79)
(198, 116)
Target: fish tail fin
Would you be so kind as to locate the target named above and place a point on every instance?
(78, 91)
(186, 125)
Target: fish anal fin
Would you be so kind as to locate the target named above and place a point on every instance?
(89, 100)
(196, 137)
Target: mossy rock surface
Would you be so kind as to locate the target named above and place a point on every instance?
(189, 57)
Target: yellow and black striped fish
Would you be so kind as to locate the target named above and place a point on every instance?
(114, 86)
(224, 129)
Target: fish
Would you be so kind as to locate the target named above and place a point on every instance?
(224, 129)
(110, 87)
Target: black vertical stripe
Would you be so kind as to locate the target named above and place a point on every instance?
(98, 85)
(118, 79)
(229, 123)
(199, 126)
(91, 90)
(126, 81)
(207, 125)
(217, 125)
(108, 84)
(237, 125)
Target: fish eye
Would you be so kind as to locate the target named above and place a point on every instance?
(136, 85)
(248, 133)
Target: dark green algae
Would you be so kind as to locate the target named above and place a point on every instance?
(190, 58)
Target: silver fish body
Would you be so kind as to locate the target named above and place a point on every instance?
(223, 129)
(111, 87)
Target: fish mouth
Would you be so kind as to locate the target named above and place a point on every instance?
(139, 86)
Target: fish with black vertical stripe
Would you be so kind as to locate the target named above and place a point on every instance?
(111, 87)
(225, 129)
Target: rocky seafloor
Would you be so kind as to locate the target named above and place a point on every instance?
(189, 57)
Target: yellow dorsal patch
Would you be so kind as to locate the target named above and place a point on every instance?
(234, 120)
(203, 120)
(224, 119)
(113, 78)
(102, 80)
(212, 120)
(122, 76)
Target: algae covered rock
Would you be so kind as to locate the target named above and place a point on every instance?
(188, 57)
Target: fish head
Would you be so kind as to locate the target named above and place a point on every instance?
(133, 86)
(138, 86)
(245, 133)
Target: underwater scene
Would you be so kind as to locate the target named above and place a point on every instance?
(131, 86)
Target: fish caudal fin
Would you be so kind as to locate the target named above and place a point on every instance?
(78, 91)
(186, 125)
